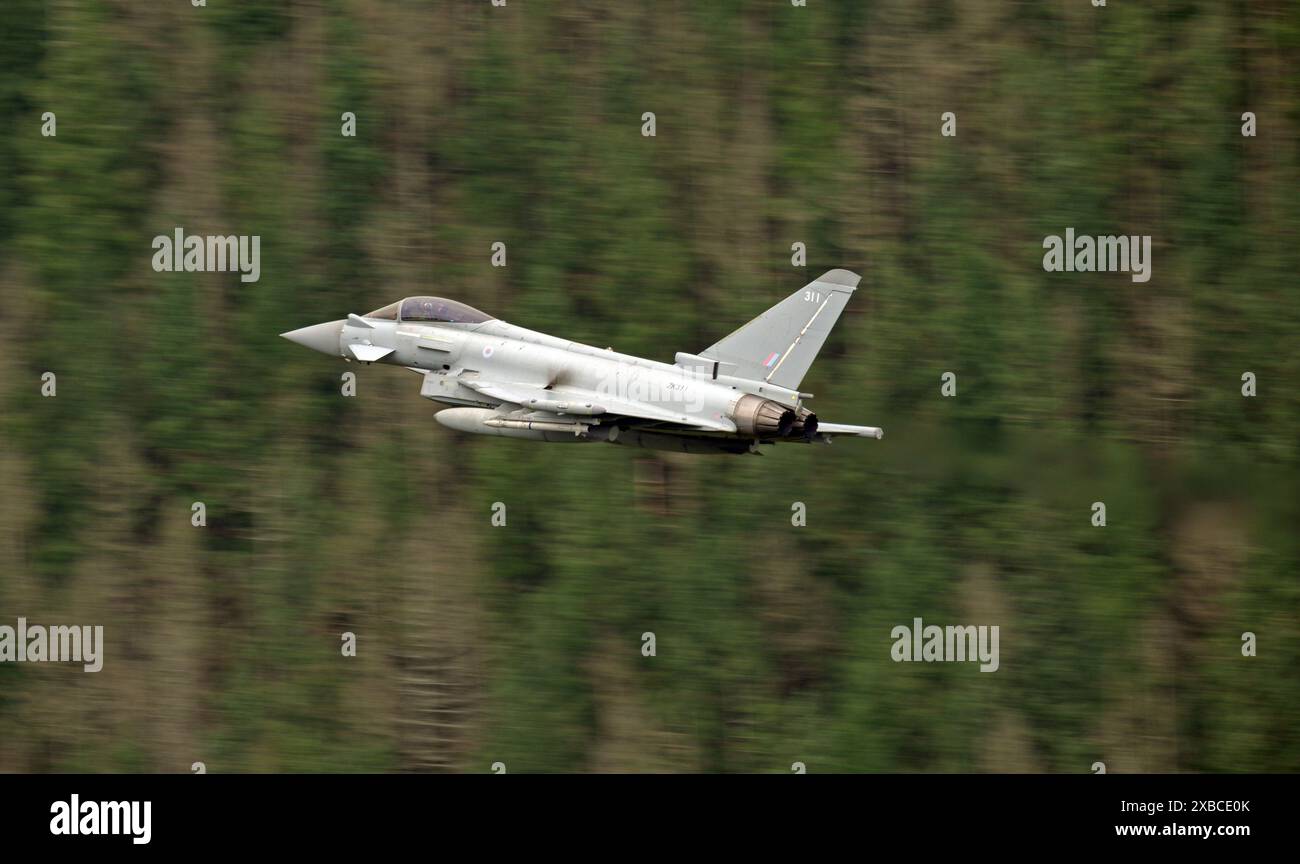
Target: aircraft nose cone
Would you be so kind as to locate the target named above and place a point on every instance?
(319, 337)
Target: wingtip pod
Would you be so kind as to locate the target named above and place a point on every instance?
(845, 429)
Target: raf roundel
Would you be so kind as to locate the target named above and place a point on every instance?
(487, 350)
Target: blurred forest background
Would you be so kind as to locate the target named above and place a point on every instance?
(775, 124)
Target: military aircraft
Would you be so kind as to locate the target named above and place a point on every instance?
(500, 379)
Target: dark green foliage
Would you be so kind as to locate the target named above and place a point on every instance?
(775, 124)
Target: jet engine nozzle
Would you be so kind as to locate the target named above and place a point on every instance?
(754, 415)
(805, 425)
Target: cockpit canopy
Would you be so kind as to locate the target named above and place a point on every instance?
(431, 309)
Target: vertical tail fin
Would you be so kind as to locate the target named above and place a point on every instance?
(780, 345)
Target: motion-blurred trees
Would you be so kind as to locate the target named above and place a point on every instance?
(775, 124)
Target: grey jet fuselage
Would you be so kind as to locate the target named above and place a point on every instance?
(497, 378)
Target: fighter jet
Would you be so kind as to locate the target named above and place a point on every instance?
(495, 378)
